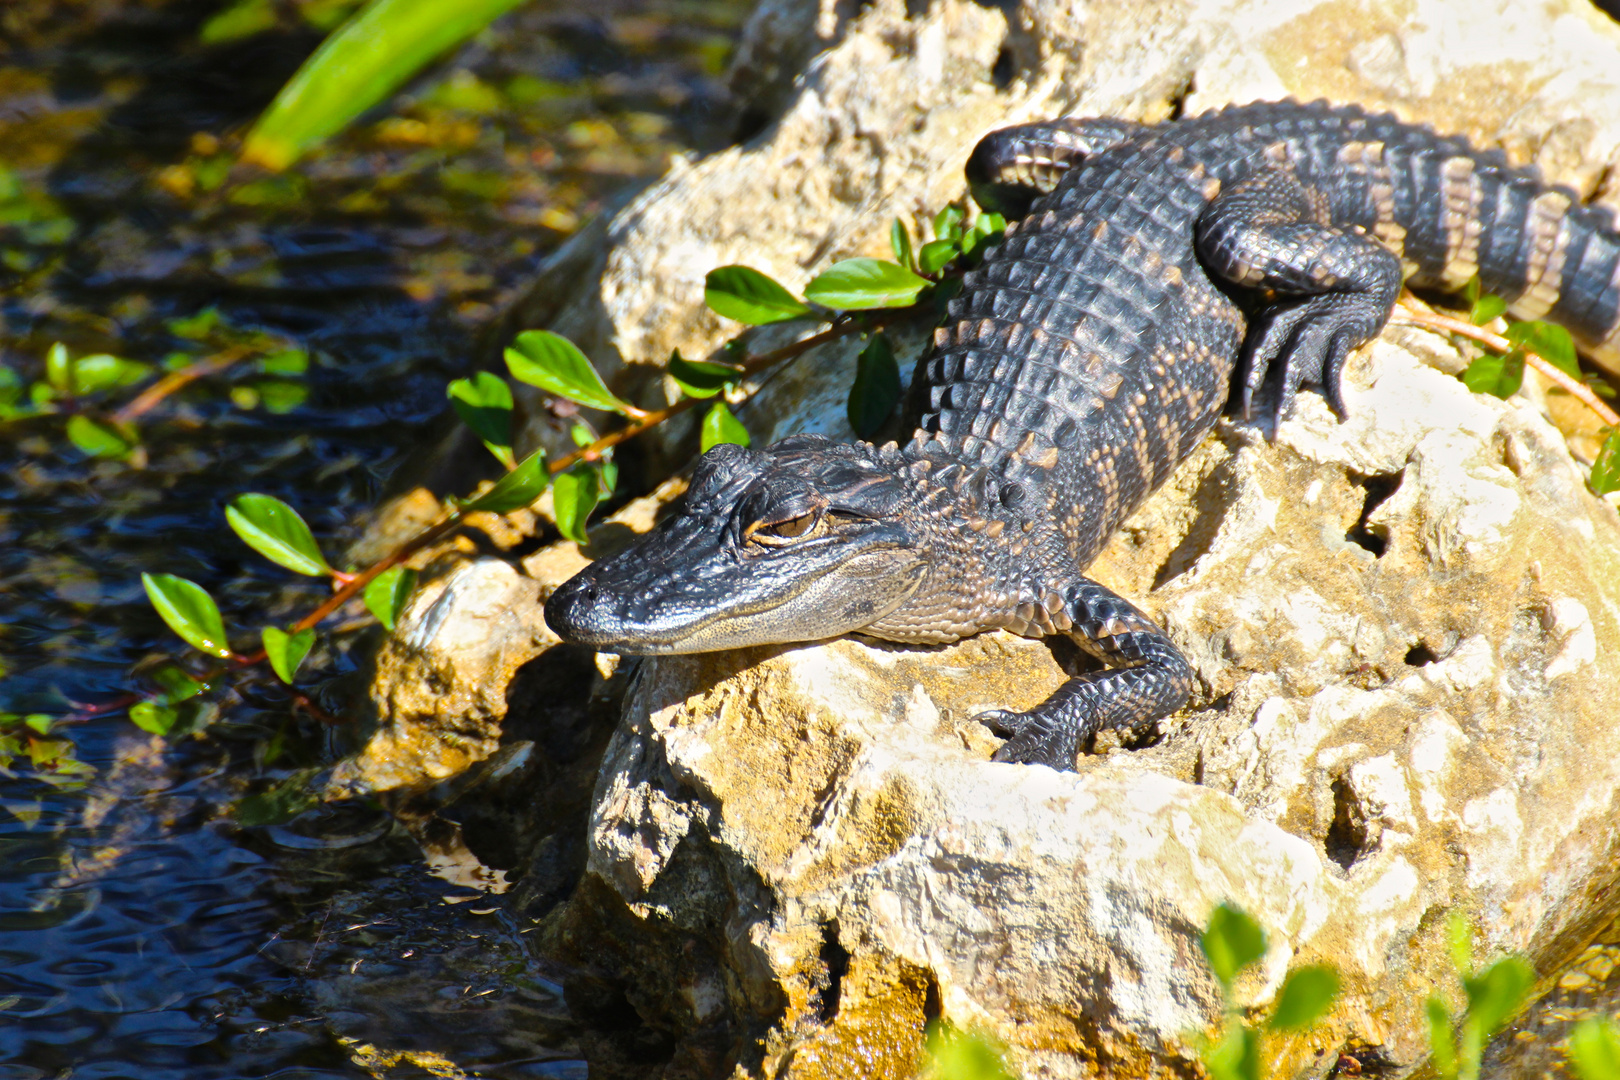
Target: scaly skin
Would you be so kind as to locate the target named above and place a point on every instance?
(1084, 359)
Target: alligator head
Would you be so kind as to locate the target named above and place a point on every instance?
(804, 540)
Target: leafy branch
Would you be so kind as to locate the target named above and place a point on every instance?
(856, 296)
(1544, 346)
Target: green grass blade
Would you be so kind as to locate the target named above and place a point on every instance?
(368, 57)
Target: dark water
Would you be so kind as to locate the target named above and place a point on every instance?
(143, 932)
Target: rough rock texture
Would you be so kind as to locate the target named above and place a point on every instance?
(1406, 626)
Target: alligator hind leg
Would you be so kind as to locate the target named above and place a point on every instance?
(1147, 678)
(1329, 289)
(1014, 166)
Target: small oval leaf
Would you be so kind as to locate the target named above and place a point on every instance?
(96, 439)
(1549, 341)
(189, 611)
(862, 284)
(59, 369)
(1594, 1049)
(1499, 376)
(516, 489)
(1305, 996)
(274, 529)
(699, 378)
(102, 371)
(948, 223)
(1232, 941)
(575, 493)
(936, 255)
(153, 716)
(876, 388)
(900, 242)
(1606, 469)
(286, 651)
(1497, 992)
(748, 296)
(719, 426)
(1486, 308)
(484, 403)
(387, 594)
(555, 364)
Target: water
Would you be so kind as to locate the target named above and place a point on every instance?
(142, 931)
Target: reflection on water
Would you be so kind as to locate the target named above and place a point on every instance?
(142, 932)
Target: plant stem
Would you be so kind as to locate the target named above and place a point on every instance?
(1462, 328)
(148, 399)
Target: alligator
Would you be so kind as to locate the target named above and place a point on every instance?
(1084, 358)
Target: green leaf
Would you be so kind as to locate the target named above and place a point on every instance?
(900, 242)
(1460, 938)
(1594, 1049)
(1606, 469)
(153, 716)
(700, 378)
(936, 255)
(516, 489)
(101, 371)
(39, 722)
(575, 493)
(285, 362)
(1236, 1056)
(1306, 995)
(274, 529)
(1442, 1040)
(189, 611)
(553, 363)
(607, 474)
(719, 426)
(962, 1055)
(195, 327)
(283, 802)
(1496, 993)
(1552, 343)
(360, 65)
(484, 403)
(876, 388)
(59, 369)
(1499, 376)
(387, 594)
(987, 229)
(96, 439)
(1232, 941)
(1486, 308)
(177, 684)
(242, 19)
(287, 650)
(748, 296)
(281, 396)
(861, 284)
(948, 223)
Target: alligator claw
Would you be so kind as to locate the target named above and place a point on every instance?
(1033, 739)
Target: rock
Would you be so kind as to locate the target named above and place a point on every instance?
(800, 855)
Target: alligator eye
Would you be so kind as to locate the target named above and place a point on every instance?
(785, 532)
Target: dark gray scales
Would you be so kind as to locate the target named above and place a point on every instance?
(1084, 359)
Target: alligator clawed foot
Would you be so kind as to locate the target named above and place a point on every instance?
(1032, 741)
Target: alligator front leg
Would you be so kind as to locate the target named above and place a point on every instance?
(1147, 678)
